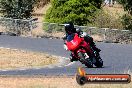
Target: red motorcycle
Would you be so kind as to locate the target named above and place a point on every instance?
(83, 51)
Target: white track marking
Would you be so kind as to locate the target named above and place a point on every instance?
(3, 70)
(70, 64)
(22, 69)
(51, 66)
(9, 48)
(63, 62)
(60, 66)
(37, 68)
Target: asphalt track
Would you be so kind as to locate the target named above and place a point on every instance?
(117, 57)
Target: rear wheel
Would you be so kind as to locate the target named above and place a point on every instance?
(86, 61)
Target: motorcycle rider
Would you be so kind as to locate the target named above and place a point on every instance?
(69, 29)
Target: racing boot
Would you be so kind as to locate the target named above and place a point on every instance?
(96, 49)
(92, 44)
(73, 58)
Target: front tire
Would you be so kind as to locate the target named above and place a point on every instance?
(87, 61)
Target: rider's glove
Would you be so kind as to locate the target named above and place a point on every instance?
(64, 38)
(78, 30)
(83, 34)
(65, 47)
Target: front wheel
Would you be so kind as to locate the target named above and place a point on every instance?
(86, 61)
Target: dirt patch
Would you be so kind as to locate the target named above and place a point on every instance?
(52, 82)
(42, 34)
(97, 38)
(12, 59)
(116, 11)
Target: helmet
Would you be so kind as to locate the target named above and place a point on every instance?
(69, 28)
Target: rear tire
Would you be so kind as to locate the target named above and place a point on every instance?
(87, 62)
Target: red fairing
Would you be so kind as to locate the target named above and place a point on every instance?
(78, 45)
(74, 44)
(86, 46)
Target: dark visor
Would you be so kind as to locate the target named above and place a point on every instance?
(70, 37)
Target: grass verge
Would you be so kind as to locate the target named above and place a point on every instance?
(12, 59)
(51, 82)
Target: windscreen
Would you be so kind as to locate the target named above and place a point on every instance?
(70, 37)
